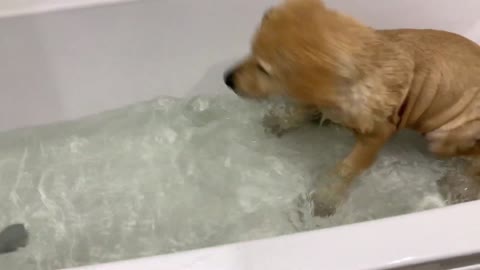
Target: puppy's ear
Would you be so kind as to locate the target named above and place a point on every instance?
(312, 3)
(305, 1)
(267, 14)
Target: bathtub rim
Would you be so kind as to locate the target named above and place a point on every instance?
(216, 257)
(29, 9)
(292, 251)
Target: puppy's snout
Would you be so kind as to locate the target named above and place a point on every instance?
(229, 79)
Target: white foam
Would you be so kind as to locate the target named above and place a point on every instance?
(170, 175)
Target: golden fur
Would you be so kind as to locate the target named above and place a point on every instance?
(373, 82)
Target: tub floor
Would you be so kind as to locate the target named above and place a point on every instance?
(172, 174)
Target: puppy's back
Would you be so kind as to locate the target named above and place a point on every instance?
(446, 75)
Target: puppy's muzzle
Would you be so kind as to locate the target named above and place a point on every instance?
(229, 79)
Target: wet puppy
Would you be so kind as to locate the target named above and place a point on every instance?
(374, 82)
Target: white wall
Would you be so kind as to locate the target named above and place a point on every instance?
(63, 65)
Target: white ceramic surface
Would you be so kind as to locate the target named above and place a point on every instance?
(24, 7)
(66, 64)
(380, 244)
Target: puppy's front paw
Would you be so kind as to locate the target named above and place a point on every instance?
(324, 207)
(274, 125)
(317, 118)
(325, 203)
(327, 199)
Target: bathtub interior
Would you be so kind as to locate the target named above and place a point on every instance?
(77, 60)
(65, 65)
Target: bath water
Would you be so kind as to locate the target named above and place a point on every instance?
(176, 174)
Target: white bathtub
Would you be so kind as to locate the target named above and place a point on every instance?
(66, 64)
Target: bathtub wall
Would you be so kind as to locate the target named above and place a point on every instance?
(20, 7)
(63, 65)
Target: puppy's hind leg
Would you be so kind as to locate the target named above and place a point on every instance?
(463, 141)
(461, 187)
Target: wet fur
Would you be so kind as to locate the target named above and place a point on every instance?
(374, 82)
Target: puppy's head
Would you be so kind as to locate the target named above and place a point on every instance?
(255, 78)
(296, 52)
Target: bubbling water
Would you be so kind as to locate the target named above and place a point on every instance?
(177, 174)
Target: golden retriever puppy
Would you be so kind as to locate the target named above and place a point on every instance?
(373, 82)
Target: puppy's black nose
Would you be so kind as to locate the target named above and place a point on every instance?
(229, 80)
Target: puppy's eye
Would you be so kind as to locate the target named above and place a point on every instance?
(262, 69)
